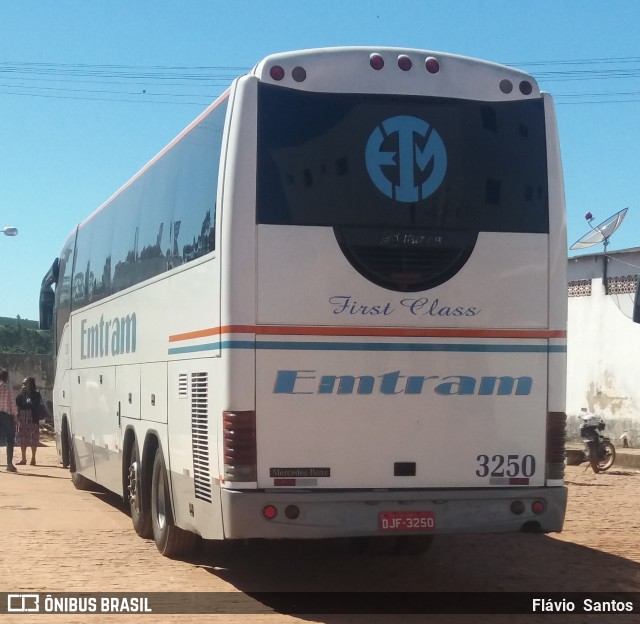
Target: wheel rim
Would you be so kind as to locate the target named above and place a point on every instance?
(161, 518)
(607, 458)
(134, 498)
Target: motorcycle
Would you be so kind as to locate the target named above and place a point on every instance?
(599, 451)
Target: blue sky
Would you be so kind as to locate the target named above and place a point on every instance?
(89, 92)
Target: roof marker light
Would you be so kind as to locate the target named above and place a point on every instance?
(432, 64)
(299, 74)
(404, 62)
(526, 87)
(506, 86)
(376, 61)
(276, 72)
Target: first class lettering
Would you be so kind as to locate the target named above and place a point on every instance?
(345, 305)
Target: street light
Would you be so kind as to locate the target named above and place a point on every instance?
(10, 231)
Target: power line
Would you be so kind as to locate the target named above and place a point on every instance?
(614, 59)
(621, 70)
(64, 81)
(144, 92)
(104, 99)
(183, 82)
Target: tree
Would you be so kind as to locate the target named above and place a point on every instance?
(19, 339)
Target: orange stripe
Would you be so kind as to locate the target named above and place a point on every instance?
(398, 332)
(200, 333)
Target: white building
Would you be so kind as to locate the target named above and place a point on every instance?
(603, 344)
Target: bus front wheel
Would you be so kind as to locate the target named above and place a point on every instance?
(64, 444)
(170, 540)
(79, 481)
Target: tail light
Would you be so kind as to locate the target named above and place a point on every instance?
(556, 437)
(517, 507)
(538, 507)
(269, 512)
(239, 446)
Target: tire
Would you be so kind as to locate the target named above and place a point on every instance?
(400, 545)
(64, 444)
(607, 458)
(375, 545)
(79, 481)
(592, 456)
(170, 540)
(138, 503)
(413, 545)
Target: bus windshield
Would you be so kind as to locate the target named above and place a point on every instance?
(349, 160)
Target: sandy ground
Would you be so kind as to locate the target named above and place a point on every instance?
(55, 538)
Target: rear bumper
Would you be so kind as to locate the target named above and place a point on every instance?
(326, 514)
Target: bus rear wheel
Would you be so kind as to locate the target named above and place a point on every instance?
(413, 545)
(402, 545)
(170, 540)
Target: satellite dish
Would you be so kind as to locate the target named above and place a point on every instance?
(600, 233)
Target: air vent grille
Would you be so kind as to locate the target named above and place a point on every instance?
(183, 385)
(200, 435)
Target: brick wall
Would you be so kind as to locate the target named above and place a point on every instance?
(40, 367)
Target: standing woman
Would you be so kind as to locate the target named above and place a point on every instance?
(28, 432)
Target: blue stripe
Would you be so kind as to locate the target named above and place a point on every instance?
(211, 346)
(370, 346)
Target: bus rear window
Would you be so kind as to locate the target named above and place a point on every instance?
(353, 160)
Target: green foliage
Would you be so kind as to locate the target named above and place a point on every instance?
(20, 336)
(6, 320)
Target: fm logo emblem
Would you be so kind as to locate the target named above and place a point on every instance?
(416, 166)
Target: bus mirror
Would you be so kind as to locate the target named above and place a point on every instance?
(636, 303)
(47, 299)
(47, 296)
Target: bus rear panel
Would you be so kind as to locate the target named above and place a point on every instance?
(408, 327)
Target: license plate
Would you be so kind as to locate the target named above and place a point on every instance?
(407, 520)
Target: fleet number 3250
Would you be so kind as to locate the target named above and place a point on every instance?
(506, 465)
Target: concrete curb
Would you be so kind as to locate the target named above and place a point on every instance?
(625, 457)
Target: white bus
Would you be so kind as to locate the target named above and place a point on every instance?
(333, 307)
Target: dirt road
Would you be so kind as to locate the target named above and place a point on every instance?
(55, 538)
